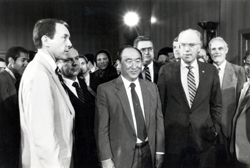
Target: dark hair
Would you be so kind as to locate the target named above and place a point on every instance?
(82, 56)
(45, 27)
(1, 60)
(14, 52)
(105, 52)
(120, 51)
(90, 57)
(141, 38)
(165, 51)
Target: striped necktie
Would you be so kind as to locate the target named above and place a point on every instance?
(79, 92)
(147, 73)
(191, 84)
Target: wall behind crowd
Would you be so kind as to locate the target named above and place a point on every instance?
(98, 24)
(177, 15)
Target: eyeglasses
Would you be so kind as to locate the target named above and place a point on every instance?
(149, 49)
(190, 45)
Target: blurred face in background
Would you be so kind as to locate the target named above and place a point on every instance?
(147, 50)
(176, 49)
(18, 66)
(218, 51)
(83, 66)
(102, 61)
(2, 66)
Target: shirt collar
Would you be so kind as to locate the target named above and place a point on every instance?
(127, 82)
(10, 72)
(194, 64)
(50, 60)
(150, 66)
(70, 82)
(222, 66)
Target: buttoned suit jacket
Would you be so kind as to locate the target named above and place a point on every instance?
(9, 122)
(241, 129)
(114, 128)
(46, 116)
(232, 83)
(204, 115)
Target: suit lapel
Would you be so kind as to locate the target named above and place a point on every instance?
(56, 80)
(146, 101)
(228, 76)
(124, 100)
(178, 83)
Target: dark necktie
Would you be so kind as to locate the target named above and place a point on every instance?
(79, 92)
(59, 75)
(140, 122)
(218, 70)
(191, 84)
(147, 73)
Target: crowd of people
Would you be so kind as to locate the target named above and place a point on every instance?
(188, 107)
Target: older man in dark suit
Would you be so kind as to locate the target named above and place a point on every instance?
(129, 126)
(191, 100)
(83, 103)
(16, 60)
(150, 68)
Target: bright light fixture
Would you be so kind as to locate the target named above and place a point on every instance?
(131, 19)
(153, 19)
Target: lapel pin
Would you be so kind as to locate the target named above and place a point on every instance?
(203, 71)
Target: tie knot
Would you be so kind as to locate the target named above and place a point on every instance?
(189, 67)
(132, 85)
(75, 84)
(218, 69)
(146, 68)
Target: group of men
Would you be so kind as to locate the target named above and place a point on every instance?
(178, 115)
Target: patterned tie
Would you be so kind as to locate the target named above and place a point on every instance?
(140, 122)
(147, 73)
(191, 84)
(79, 92)
(58, 72)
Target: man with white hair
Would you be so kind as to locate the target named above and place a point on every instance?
(191, 104)
(232, 78)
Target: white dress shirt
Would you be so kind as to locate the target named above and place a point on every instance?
(184, 72)
(87, 79)
(138, 91)
(221, 71)
(69, 83)
(151, 70)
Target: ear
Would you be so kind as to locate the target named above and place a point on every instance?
(226, 50)
(45, 40)
(11, 61)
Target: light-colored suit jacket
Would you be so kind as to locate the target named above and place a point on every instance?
(46, 116)
(233, 80)
(114, 128)
(240, 143)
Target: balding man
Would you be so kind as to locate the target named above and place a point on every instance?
(191, 103)
(232, 78)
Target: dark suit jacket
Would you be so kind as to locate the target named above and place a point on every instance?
(84, 144)
(94, 81)
(233, 80)
(9, 122)
(156, 66)
(114, 128)
(204, 115)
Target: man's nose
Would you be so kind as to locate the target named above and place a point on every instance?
(69, 44)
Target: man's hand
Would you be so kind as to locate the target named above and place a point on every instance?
(108, 164)
(159, 160)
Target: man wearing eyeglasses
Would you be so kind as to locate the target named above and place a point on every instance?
(150, 68)
(191, 104)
